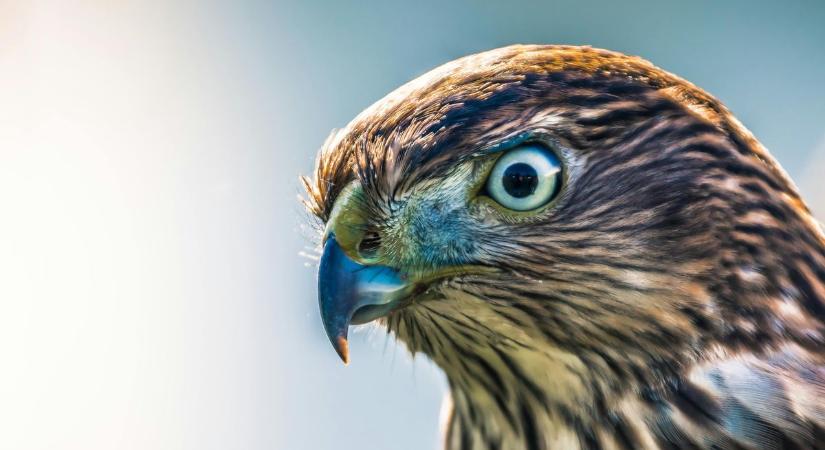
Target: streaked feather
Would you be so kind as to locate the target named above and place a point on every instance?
(673, 297)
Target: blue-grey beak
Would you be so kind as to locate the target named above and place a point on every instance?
(353, 293)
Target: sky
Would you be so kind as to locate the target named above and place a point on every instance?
(155, 290)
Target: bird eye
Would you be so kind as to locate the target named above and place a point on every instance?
(525, 178)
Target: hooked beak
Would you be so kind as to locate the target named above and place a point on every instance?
(350, 293)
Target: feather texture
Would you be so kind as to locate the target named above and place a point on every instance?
(672, 296)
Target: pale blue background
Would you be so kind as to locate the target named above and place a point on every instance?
(153, 296)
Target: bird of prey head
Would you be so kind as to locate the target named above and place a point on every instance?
(595, 251)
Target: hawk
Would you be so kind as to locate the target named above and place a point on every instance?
(596, 252)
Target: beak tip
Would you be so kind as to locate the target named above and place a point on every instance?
(342, 348)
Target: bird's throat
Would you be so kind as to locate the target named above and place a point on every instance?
(508, 387)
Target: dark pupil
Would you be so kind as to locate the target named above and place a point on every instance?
(520, 180)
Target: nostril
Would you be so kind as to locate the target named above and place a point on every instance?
(369, 245)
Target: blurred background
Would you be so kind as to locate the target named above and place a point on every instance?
(152, 291)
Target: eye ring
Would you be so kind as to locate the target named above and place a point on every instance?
(525, 178)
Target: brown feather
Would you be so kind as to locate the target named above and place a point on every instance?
(677, 265)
